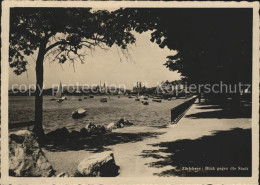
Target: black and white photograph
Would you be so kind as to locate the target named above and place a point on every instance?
(131, 91)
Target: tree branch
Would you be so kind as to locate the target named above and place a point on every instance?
(55, 44)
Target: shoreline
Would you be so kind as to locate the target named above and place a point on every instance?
(140, 156)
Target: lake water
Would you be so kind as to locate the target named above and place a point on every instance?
(58, 115)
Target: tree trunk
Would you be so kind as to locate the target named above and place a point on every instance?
(38, 126)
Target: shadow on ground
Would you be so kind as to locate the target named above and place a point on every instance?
(216, 111)
(219, 114)
(98, 143)
(222, 149)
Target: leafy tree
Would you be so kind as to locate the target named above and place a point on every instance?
(60, 35)
(212, 44)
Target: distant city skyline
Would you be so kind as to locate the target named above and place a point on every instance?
(110, 67)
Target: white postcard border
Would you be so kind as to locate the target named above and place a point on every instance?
(5, 179)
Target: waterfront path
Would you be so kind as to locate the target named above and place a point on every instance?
(205, 136)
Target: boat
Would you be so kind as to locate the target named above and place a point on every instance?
(169, 99)
(85, 97)
(145, 102)
(59, 100)
(79, 99)
(79, 113)
(103, 100)
(118, 96)
(157, 99)
(137, 98)
(91, 96)
(59, 97)
(145, 98)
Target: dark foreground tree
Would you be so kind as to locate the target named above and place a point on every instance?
(60, 35)
(214, 45)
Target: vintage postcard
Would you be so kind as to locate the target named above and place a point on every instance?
(129, 92)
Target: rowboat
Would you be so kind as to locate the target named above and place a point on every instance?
(103, 100)
(79, 113)
(145, 102)
(59, 100)
(157, 99)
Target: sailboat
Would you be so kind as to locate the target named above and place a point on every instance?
(59, 97)
(137, 97)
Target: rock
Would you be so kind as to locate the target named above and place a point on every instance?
(93, 129)
(59, 135)
(64, 174)
(100, 129)
(122, 120)
(111, 126)
(90, 127)
(99, 165)
(125, 122)
(26, 159)
(128, 123)
(84, 132)
(120, 124)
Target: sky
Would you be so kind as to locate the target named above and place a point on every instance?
(105, 66)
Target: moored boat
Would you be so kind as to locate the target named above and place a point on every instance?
(79, 113)
(145, 102)
(157, 99)
(103, 100)
(91, 96)
(59, 100)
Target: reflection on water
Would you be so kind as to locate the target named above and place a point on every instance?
(57, 115)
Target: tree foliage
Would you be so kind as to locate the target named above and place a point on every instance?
(66, 34)
(212, 44)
